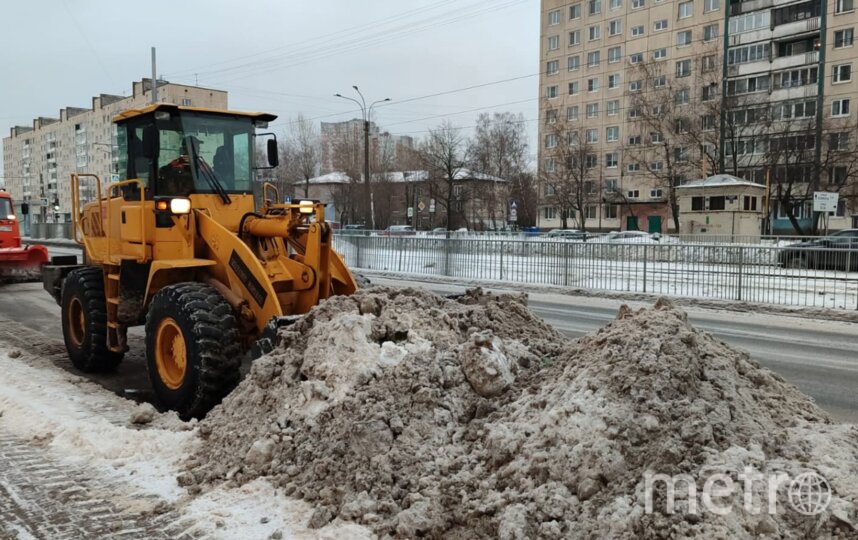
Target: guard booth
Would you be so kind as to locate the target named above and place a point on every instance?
(721, 205)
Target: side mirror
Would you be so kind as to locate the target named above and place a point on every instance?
(273, 157)
(151, 142)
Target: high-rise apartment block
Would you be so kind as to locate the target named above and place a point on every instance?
(641, 96)
(38, 159)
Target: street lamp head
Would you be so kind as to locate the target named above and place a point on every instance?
(338, 95)
(386, 99)
(355, 87)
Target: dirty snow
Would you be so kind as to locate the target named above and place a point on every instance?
(471, 418)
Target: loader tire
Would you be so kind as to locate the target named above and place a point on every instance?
(84, 321)
(193, 349)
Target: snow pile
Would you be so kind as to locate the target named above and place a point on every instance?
(422, 416)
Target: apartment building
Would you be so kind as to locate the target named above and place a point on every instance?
(38, 159)
(348, 136)
(645, 95)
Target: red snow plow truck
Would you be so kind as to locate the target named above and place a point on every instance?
(17, 262)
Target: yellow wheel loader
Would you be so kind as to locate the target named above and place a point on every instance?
(178, 244)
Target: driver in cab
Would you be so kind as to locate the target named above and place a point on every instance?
(176, 178)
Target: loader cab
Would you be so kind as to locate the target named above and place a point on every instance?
(182, 151)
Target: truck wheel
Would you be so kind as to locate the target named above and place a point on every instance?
(193, 350)
(84, 321)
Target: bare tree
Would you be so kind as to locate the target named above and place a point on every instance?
(571, 175)
(347, 157)
(444, 154)
(305, 150)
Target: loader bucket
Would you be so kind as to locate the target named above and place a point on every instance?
(18, 264)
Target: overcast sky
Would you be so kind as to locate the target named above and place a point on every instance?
(285, 57)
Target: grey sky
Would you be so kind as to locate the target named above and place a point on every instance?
(285, 57)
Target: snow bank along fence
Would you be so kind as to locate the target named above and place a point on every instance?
(740, 272)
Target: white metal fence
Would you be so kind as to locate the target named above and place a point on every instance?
(742, 272)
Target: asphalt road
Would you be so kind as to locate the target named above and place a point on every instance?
(818, 356)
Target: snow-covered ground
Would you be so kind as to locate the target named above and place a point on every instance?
(724, 272)
(65, 422)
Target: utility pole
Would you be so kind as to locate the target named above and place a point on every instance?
(369, 214)
(154, 79)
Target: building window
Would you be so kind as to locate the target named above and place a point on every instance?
(633, 167)
(614, 28)
(551, 141)
(634, 194)
(635, 86)
(592, 110)
(683, 39)
(751, 53)
(635, 140)
(572, 113)
(551, 116)
(614, 81)
(686, 9)
(575, 11)
(656, 166)
(553, 43)
(683, 68)
(711, 5)
(593, 84)
(656, 137)
(660, 81)
(592, 135)
(614, 54)
(750, 21)
(839, 141)
(635, 58)
(681, 97)
(593, 59)
(591, 212)
(552, 67)
(717, 203)
(573, 88)
(637, 30)
(612, 160)
(697, 204)
(553, 17)
(611, 211)
(708, 63)
(551, 91)
(574, 38)
(573, 62)
(550, 166)
(680, 154)
(594, 7)
(594, 32)
(842, 73)
(659, 54)
(710, 91)
(613, 107)
(840, 107)
(656, 194)
(638, 4)
(843, 38)
(710, 32)
(843, 6)
(549, 212)
(572, 138)
(634, 112)
(616, 4)
(708, 122)
(612, 133)
(186, 102)
(750, 204)
(591, 161)
(660, 25)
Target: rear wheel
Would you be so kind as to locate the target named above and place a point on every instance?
(84, 321)
(193, 350)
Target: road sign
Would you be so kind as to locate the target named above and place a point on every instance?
(114, 178)
(432, 205)
(513, 211)
(421, 206)
(825, 201)
(410, 211)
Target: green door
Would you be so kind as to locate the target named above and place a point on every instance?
(631, 223)
(654, 224)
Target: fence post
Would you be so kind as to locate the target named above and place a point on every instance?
(358, 258)
(645, 258)
(502, 244)
(447, 241)
(400, 241)
(565, 264)
(741, 272)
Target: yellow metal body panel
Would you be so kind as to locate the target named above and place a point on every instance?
(133, 113)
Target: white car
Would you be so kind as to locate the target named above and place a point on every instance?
(637, 237)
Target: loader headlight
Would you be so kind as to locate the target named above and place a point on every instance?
(180, 206)
(305, 207)
(11, 217)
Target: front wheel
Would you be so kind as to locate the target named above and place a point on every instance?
(84, 320)
(193, 351)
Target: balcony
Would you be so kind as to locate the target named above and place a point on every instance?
(796, 28)
(748, 68)
(753, 5)
(798, 92)
(753, 36)
(803, 59)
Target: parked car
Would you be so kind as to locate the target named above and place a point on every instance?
(398, 230)
(838, 251)
(353, 229)
(438, 231)
(567, 234)
(531, 231)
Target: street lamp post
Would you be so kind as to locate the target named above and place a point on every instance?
(369, 215)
